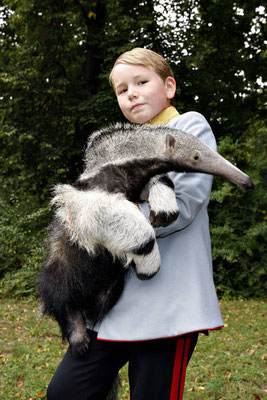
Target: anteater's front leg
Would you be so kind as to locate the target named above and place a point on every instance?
(162, 201)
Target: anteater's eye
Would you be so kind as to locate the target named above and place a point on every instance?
(196, 156)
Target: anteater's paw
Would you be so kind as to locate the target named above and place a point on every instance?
(162, 218)
(164, 208)
(147, 263)
(79, 349)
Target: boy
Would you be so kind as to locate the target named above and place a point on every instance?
(155, 324)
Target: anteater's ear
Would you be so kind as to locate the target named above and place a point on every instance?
(170, 144)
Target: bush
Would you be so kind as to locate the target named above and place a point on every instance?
(21, 250)
(238, 219)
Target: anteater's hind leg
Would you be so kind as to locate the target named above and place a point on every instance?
(54, 302)
(61, 286)
(72, 325)
(77, 334)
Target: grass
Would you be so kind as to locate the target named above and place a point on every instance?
(228, 365)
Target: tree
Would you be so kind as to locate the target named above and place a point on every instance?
(220, 62)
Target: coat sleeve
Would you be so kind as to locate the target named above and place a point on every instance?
(192, 189)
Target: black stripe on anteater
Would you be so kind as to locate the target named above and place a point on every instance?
(129, 178)
(146, 248)
(166, 181)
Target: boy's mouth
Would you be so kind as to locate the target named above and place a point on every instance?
(137, 105)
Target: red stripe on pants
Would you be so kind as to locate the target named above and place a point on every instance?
(179, 369)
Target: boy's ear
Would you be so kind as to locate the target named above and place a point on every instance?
(170, 86)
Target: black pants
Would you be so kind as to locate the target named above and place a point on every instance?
(156, 369)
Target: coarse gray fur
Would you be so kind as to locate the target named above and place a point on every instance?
(98, 232)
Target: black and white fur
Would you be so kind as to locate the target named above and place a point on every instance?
(98, 231)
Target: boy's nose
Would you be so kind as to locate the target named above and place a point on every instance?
(132, 93)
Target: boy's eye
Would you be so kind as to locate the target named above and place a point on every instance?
(121, 91)
(142, 82)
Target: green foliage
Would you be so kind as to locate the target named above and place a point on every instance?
(238, 218)
(220, 61)
(37, 125)
(22, 282)
(21, 250)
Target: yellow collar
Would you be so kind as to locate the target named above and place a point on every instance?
(164, 116)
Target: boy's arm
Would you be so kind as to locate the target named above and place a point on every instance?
(192, 189)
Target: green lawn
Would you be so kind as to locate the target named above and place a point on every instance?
(228, 365)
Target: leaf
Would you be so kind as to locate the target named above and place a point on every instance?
(190, 389)
(20, 381)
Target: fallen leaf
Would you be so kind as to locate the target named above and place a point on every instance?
(20, 381)
(191, 389)
(256, 396)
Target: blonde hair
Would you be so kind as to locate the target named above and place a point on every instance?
(146, 57)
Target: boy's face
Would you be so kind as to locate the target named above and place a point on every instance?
(140, 91)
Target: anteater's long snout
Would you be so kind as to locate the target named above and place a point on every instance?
(193, 154)
(230, 172)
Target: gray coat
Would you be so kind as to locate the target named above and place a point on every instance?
(181, 297)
